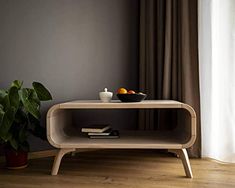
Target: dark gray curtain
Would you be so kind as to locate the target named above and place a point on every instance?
(169, 61)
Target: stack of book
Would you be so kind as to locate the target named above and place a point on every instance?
(100, 131)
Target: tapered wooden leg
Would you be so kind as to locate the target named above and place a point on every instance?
(182, 153)
(57, 160)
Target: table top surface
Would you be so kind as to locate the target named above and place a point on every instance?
(118, 104)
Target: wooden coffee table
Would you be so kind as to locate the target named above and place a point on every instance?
(63, 135)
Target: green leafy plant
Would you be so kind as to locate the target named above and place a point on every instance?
(20, 114)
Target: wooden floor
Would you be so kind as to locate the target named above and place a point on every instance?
(119, 169)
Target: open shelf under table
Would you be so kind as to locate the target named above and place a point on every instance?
(128, 139)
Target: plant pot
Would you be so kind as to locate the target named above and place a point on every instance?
(16, 159)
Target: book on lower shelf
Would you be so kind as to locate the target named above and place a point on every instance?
(105, 133)
(112, 134)
(100, 131)
(97, 128)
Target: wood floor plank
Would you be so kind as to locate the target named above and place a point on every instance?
(119, 168)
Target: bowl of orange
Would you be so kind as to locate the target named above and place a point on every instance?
(125, 95)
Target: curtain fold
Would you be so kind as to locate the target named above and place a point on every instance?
(168, 66)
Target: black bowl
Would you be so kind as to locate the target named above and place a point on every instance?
(137, 97)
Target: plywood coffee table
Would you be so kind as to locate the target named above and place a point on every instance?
(62, 134)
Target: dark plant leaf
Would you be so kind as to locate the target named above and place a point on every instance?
(33, 122)
(17, 84)
(4, 99)
(23, 135)
(14, 97)
(3, 93)
(30, 105)
(6, 123)
(33, 96)
(1, 114)
(21, 116)
(42, 93)
(6, 102)
(9, 136)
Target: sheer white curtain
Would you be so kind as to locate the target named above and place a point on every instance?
(217, 78)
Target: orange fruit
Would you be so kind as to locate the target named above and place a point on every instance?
(131, 92)
(122, 91)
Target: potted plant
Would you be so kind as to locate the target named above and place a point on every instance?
(19, 117)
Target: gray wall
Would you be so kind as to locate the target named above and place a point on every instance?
(75, 47)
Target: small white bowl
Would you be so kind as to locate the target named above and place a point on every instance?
(105, 96)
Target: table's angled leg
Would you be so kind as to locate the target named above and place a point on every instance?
(182, 153)
(57, 160)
